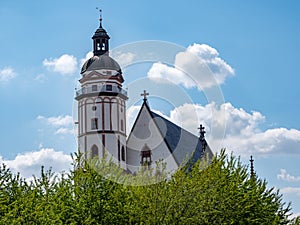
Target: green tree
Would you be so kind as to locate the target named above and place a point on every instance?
(98, 192)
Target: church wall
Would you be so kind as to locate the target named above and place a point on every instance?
(107, 117)
(114, 114)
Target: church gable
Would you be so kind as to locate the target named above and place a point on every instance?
(145, 143)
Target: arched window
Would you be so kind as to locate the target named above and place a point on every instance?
(123, 153)
(94, 151)
(146, 156)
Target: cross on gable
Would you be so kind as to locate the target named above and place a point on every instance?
(145, 94)
(202, 131)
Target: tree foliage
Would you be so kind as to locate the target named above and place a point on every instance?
(216, 192)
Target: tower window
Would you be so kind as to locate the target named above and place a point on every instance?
(94, 124)
(146, 156)
(109, 87)
(123, 153)
(94, 151)
(94, 108)
(122, 125)
(94, 87)
(98, 46)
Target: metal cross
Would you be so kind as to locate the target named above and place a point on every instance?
(145, 94)
(202, 131)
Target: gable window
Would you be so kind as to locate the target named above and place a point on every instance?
(94, 87)
(94, 151)
(146, 156)
(94, 123)
(109, 87)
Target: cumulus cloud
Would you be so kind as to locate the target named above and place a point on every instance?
(234, 129)
(290, 190)
(65, 64)
(241, 129)
(284, 175)
(63, 124)
(131, 113)
(6, 74)
(199, 66)
(64, 130)
(40, 78)
(29, 163)
(123, 58)
(57, 121)
(87, 57)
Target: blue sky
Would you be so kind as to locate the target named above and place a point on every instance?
(259, 40)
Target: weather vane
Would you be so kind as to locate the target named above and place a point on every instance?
(100, 11)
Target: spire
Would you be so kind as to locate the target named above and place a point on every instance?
(101, 44)
(202, 138)
(252, 173)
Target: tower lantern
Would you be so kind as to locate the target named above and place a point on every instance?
(101, 39)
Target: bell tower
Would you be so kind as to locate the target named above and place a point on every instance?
(102, 104)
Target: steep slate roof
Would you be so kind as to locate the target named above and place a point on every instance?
(181, 143)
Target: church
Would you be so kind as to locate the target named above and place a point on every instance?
(102, 120)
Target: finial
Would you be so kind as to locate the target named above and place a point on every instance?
(201, 131)
(252, 173)
(100, 19)
(145, 95)
(202, 138)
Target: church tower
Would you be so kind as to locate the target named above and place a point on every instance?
(102, 104)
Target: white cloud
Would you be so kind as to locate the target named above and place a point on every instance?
(234, 129)
(284, 175)
(87, 57)
(123, 58)
(131, 113)
(64, 130)
(7, 74)
(40, 78)
(199, 66)
(295, 215)
(290, 190)
(65, 64)
(30, 163)
(57, 121)
(63, 124)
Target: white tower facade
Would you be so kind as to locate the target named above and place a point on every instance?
(102, 104)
